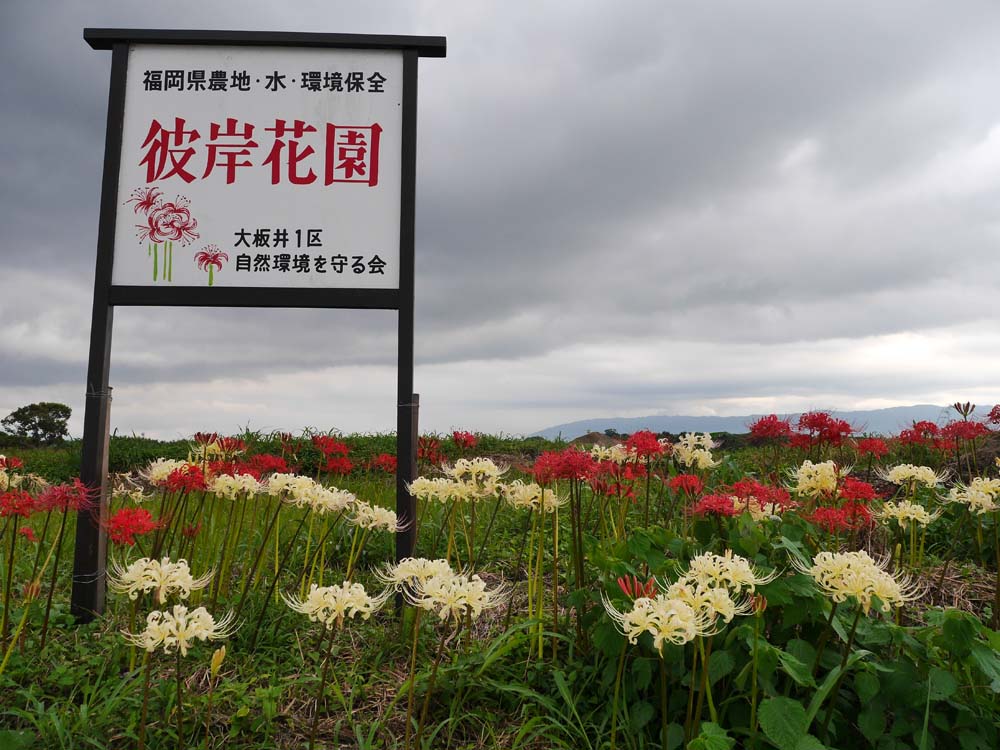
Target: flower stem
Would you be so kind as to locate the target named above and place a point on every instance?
(614, 701)
(322, 685)
(147, 669)
(413, 667)
(180, 704)
(840, 677)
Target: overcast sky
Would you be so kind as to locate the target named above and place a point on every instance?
(623, 209)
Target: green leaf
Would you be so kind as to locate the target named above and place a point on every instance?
(988, 662)
(642, 673)
(675, 736)
(796, 669)
(720, 663)
(957, 633)
(942, 684)
(866, 686)
(712, 737)
(783, 721)
(809, 743)
(829, 681)
(642, 714)
(871, 722)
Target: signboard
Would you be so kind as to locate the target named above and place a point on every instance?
(252, 169)
(260, 167)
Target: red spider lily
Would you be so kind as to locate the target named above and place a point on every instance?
(848, 516)
(128, 523)
(718, 505)
(144, 199)
(234, 468)
(759, 602)
(822, 428)
(384, 462)
(230, 445)
(464, 440)
(855, 489)
(770, 428)
(689, 484)
(328, 445)
(266, 463)
(66, 497)
(10, 462)
(570, 463)
(28, 533)
(186, 479)
(921, 433)
(962, 430)
(994, 416)
(614, 488)
(191, 530)
(429, 450)
(206, 438)
(645, 445)
(338, 465)
(633, 589)
(17, 503)
(874, 447)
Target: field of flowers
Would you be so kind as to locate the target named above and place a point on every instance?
(806, 587)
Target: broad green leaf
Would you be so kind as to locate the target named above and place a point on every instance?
(642, 714)
(720, 663)
(942, 684)
(712, 737)
(871, 722)
(809, 743)
(827, 685)
(988, 662)
(675, 736)
(796, 669)
(783, 721)
(866, 686)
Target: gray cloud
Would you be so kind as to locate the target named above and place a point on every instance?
(722, 175)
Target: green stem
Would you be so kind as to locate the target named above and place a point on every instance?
(147, 669)
(180, 717)
(840, 677)
(614, 701)
(413, 668)
(322, 685)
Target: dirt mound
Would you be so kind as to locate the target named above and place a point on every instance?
(595, 438)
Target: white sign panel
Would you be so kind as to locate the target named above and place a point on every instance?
(260, 167)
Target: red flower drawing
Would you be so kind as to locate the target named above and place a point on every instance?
(144, 199)
(209, 259)
(169, 222)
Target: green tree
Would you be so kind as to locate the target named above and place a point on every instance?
(43, 423)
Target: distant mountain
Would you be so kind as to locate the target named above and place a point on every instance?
(876, 421)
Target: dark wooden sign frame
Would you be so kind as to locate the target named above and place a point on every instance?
(91, 542)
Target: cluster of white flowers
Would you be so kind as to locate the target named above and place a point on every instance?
(812, 480)
(232, 486)
(411, 570)
(855, 574)
(479, 474)
(158, 471)
(330, 605)
(374, 517)
(667, 618)
(15, 480)
(443, 490)
(453, 596)
(163, 577)
(981, 495)
(530, 495)
(179, 628)
(125, 488)
(906, 512)
(694, 450)
(718, 586)
(303, 492)
(908, 473)
(617, 454)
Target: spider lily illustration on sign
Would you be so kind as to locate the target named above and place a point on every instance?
(210, 258)
(166, 222)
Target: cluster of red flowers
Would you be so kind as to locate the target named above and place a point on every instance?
(689, 484)
(615, 480)
(10, 462)
(736, 498)
(571, 463)
(384, 462)
(770, 429)
(964, 430)
(848, 516)
(874, 447)
(645, 445)
(255, 466)
(66, 497)
(820, 428)
(464, 440)
(188, 478)
(128, 523)
(16, 503)
(994, 416)
(429, 450)
(335, 460)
